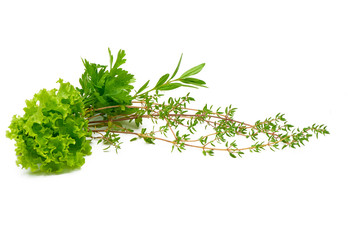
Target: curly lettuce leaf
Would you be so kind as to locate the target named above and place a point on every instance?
(52, 134)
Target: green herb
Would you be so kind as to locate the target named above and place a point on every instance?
(52, 134)
(55, 132)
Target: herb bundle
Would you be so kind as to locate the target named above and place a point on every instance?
(55, 132)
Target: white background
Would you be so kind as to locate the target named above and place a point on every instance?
(300, 58)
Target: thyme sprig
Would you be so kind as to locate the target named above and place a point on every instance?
(176, 123)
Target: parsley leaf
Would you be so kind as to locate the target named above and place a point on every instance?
(102, 87)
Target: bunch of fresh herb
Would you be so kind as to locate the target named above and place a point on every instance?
(55, 131)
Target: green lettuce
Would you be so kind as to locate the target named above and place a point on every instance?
(52, 135)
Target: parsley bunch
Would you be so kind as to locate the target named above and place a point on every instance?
(55, 132)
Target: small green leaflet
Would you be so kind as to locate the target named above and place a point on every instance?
(232, 155)
(120, 59)
(193, 71)
(177, 68)
(193, 81)
(144, 87)
(170, 86)
(162, 80)
(111, 58)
